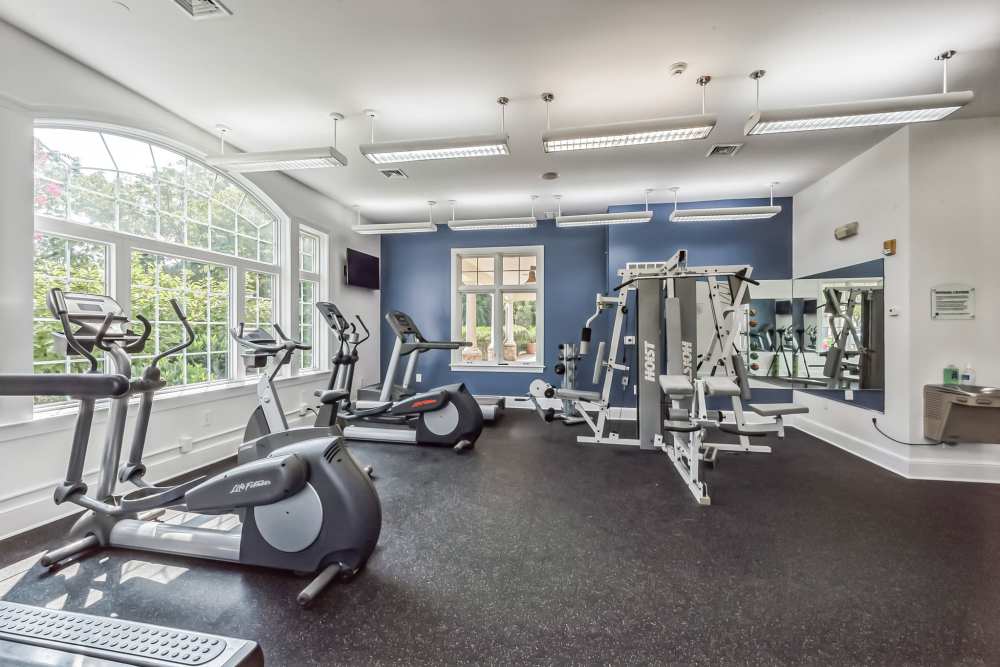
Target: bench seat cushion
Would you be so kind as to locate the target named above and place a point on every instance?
(778, 409)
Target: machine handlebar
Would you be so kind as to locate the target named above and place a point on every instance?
(188, 331)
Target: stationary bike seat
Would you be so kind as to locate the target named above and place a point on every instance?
(329, 396)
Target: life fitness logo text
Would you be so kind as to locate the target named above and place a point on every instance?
(649, 361)
(424, 403)
(246, 486)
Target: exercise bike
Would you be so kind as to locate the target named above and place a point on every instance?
(445, 416)
(304, 507)
(272, 353)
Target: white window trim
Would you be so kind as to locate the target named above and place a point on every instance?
(122, 244)
(497, 289)
(321, 342)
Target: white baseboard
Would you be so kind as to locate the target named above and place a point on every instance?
(868, 451)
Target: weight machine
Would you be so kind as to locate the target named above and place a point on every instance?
(673, 410)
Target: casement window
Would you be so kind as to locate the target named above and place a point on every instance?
(498, 307)
(312, 268)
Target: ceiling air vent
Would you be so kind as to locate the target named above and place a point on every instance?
(203, 9)
(724, 150)
(393, 174)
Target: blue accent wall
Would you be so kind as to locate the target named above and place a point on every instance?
(766, 245)
(579, 263)
(416, 278)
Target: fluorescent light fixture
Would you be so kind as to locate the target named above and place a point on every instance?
(390, 152)
(731, 213)
(395, 228)
(728, 213)
(626, 218)
(890, 111)
(528, 222)
(633, 133)
(322, 157)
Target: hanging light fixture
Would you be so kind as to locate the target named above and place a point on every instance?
(889, 111)
(322, 157)
(729, 213)
(623, 218)
(397, 227)
(529, 222)
(389, 152)
(633, 133)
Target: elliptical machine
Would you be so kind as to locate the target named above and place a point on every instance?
(444, 416)
(304, 507)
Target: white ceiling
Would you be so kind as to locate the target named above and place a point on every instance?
(274, 70)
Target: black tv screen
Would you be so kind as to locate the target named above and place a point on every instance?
(361, 269)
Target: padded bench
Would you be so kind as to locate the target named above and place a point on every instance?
(676, 385)
(778, 409)
(721, 386)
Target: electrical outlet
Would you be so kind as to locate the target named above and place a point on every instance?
(630, 340)
(185, 444)
(420, 377)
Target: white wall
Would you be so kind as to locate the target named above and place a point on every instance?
(954, 221)
(47, 84)
(927, 187)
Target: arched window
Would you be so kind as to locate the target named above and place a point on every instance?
(144, 221)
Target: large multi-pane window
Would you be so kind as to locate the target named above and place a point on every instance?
(497, 306)
(140, 220)
(72, 265)
(312, 256)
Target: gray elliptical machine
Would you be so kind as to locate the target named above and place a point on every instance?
(305, 506)
(447, 416)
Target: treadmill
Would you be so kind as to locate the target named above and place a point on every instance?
(407, 334)
(33, 637)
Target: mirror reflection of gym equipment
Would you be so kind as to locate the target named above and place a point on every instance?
(821, 334)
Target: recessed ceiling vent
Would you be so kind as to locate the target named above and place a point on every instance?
(203, 9)
(393, 174)
(724, 150)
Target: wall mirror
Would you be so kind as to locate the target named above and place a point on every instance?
(822, 333)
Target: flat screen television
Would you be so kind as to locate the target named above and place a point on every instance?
(361, 269)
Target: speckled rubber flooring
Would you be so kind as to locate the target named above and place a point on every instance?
(535, 550)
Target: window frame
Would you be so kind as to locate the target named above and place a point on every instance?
(121, 245)
(320, 343)
(497, 290)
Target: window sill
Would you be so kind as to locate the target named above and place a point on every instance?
(499, 368)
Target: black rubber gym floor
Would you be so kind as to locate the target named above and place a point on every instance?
(533, 549)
